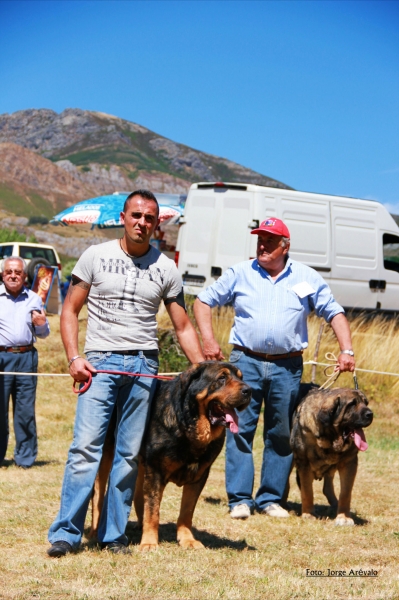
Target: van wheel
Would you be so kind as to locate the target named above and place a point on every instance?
(32, 267)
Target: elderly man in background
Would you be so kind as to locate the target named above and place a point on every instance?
(22, 320)
(272, 296)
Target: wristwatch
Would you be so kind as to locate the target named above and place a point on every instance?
(350, 352)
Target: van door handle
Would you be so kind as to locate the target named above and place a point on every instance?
(377, 285)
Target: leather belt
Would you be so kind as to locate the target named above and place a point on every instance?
(270, 357)
(16, 349)
(137, 352)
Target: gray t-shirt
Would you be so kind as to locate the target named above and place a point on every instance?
(125, 295)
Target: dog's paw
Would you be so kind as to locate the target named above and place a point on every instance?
(308, 516)
(191, 544)
(148, 547)
(343, 521)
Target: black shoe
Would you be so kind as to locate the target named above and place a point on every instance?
(59, 549)
(116, 548)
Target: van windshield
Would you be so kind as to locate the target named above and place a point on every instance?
(30, 252)
(391, 251)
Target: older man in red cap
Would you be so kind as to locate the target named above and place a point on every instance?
(272, 296)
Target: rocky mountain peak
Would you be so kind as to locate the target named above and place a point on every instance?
(92, 153)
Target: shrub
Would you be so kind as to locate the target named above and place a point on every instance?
(11, 235)
(37, 220)
(171, 357)
(67, 267)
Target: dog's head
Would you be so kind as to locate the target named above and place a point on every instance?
(342, 415)
(215, 390)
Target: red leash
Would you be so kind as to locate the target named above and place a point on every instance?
(87, 383)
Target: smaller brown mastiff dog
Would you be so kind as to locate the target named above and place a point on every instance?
(185, 434)
(327, 434)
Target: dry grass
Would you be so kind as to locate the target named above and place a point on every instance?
(255, 559)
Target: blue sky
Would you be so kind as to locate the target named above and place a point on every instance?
(305, 92)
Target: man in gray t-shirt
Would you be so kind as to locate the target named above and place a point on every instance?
(125, 295)
(123, 282)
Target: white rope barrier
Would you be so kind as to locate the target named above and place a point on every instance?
(61, 374)
(312, 362)
(309, 362)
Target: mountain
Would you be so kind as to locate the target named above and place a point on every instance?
(49, 160)
(31, 184)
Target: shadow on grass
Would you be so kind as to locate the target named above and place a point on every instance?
(214, 541)
(45, 463)
(39, 463)
(211, 500)
(324, 512)
(167, 533)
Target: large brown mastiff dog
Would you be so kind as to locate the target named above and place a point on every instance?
(185, 434)
(326, 436)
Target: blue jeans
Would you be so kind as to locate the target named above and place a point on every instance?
(22, 390)
(133, 396)
(276, 384)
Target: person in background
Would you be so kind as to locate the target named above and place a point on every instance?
(22, 320)
(272, 296)
(65, 286)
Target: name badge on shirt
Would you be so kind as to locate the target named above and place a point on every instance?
(303, 289)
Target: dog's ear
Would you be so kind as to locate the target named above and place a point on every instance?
(233, 369)
(361, 397)
(328, 413)
(305, 389)
(191, 375)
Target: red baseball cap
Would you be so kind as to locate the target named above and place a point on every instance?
(273, 225)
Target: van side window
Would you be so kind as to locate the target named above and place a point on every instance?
(30, 252)
(6, 251)
(390, 244)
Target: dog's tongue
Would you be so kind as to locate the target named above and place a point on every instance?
(360, 439)
(232, 420)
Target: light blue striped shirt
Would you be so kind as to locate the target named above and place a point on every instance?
(270, 316)
(16, 327)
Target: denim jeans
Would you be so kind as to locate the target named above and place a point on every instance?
(276, 384)
(22, 390)
(132, 395)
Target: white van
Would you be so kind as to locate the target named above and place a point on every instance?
(354, 244)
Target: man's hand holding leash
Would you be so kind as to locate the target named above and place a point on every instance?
(346, 363)
(80, 368)
(210, 347)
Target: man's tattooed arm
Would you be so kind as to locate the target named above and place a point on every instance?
(80, 283)
(77, 283)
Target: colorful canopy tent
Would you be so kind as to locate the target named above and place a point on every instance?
(104, 211)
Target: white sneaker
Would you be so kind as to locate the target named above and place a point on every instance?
(275, 510)
(240, 511)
